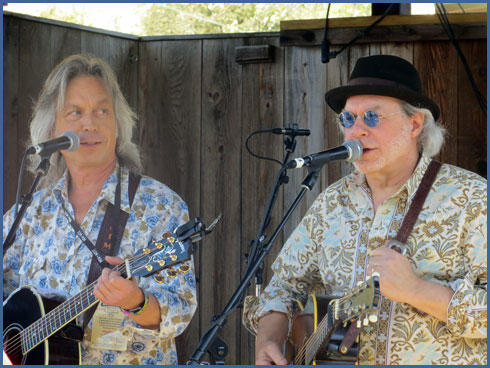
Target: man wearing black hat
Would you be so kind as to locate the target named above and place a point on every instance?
(431, 262)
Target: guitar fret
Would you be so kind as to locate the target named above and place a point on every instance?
(165, 253)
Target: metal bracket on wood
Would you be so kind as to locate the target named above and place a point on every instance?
(254, 54)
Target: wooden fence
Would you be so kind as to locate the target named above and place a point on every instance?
(196, 106)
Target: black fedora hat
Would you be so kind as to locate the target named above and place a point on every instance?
(383, 75)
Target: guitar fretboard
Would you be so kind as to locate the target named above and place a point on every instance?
(50, 323)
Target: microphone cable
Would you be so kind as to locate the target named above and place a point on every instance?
(327, 55)
(256, 155)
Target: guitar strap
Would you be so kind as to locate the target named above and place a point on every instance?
(402, 236)
(108, 243)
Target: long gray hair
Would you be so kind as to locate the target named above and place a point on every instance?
(431, 138)
(52, 99)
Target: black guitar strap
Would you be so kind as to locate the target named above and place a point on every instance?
(108, 243)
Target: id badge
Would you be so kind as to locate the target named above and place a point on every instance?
(106, 329)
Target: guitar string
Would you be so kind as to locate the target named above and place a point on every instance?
(28, 335)
(342, 305)
(313, 343)
(14, 344)
(310, 343)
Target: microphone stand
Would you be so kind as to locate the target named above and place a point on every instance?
(281, 178)
(219, 321)
(41, 171)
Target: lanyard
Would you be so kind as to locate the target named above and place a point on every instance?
(85, 240)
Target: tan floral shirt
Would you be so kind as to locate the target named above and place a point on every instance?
(48, 256)
(330, 249)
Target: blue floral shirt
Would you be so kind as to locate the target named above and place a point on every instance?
(48, 256)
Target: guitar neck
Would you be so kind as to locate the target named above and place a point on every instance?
(60, 316)
(320, 337)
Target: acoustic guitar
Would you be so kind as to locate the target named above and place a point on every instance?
(318, 330)
(37, 330)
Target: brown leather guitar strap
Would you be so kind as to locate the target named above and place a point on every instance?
(402, 236)
(106, 244)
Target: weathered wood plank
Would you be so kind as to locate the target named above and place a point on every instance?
(437, 65)
(34, 67)
(124, 62)
(96, 44)
(163, 131)
(263, 86)
(64, 42)
(472, 127)
(179, 139)
(338, 74)
(12, 137)
(304, 104)
(402, 33)
(390, 20)
(220, 185)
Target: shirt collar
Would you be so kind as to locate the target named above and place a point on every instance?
(108, 192)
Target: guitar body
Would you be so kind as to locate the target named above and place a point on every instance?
(305, 324)
(40, 331)
(22, 308)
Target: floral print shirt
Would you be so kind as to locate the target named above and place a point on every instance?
(330, 249)
(47, 255)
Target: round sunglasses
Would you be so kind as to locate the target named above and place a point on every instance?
(371, 118)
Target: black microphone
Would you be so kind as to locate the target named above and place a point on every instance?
(350, 151)
(291, 131)
(68, 141)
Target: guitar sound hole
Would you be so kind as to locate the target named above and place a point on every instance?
(12, 345)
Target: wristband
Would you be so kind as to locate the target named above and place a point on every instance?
(139, 309)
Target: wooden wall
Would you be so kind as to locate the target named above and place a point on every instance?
(197, 106)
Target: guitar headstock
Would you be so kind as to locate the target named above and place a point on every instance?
(172, 249)
(160, 254)
(362, 301)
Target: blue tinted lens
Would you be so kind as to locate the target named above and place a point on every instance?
(347, 119)
(371, 118)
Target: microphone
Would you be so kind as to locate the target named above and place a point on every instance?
(291, 131)
(350, 151)
(68, 141)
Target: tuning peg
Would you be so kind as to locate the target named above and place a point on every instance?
(171, 273)
(146, 251)
(157, 244)
(184, 268)
(358, 323)
(159, 278)
(365, 321)
(173, 257)
(171, 239)
(149, 268)
(373, 318)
